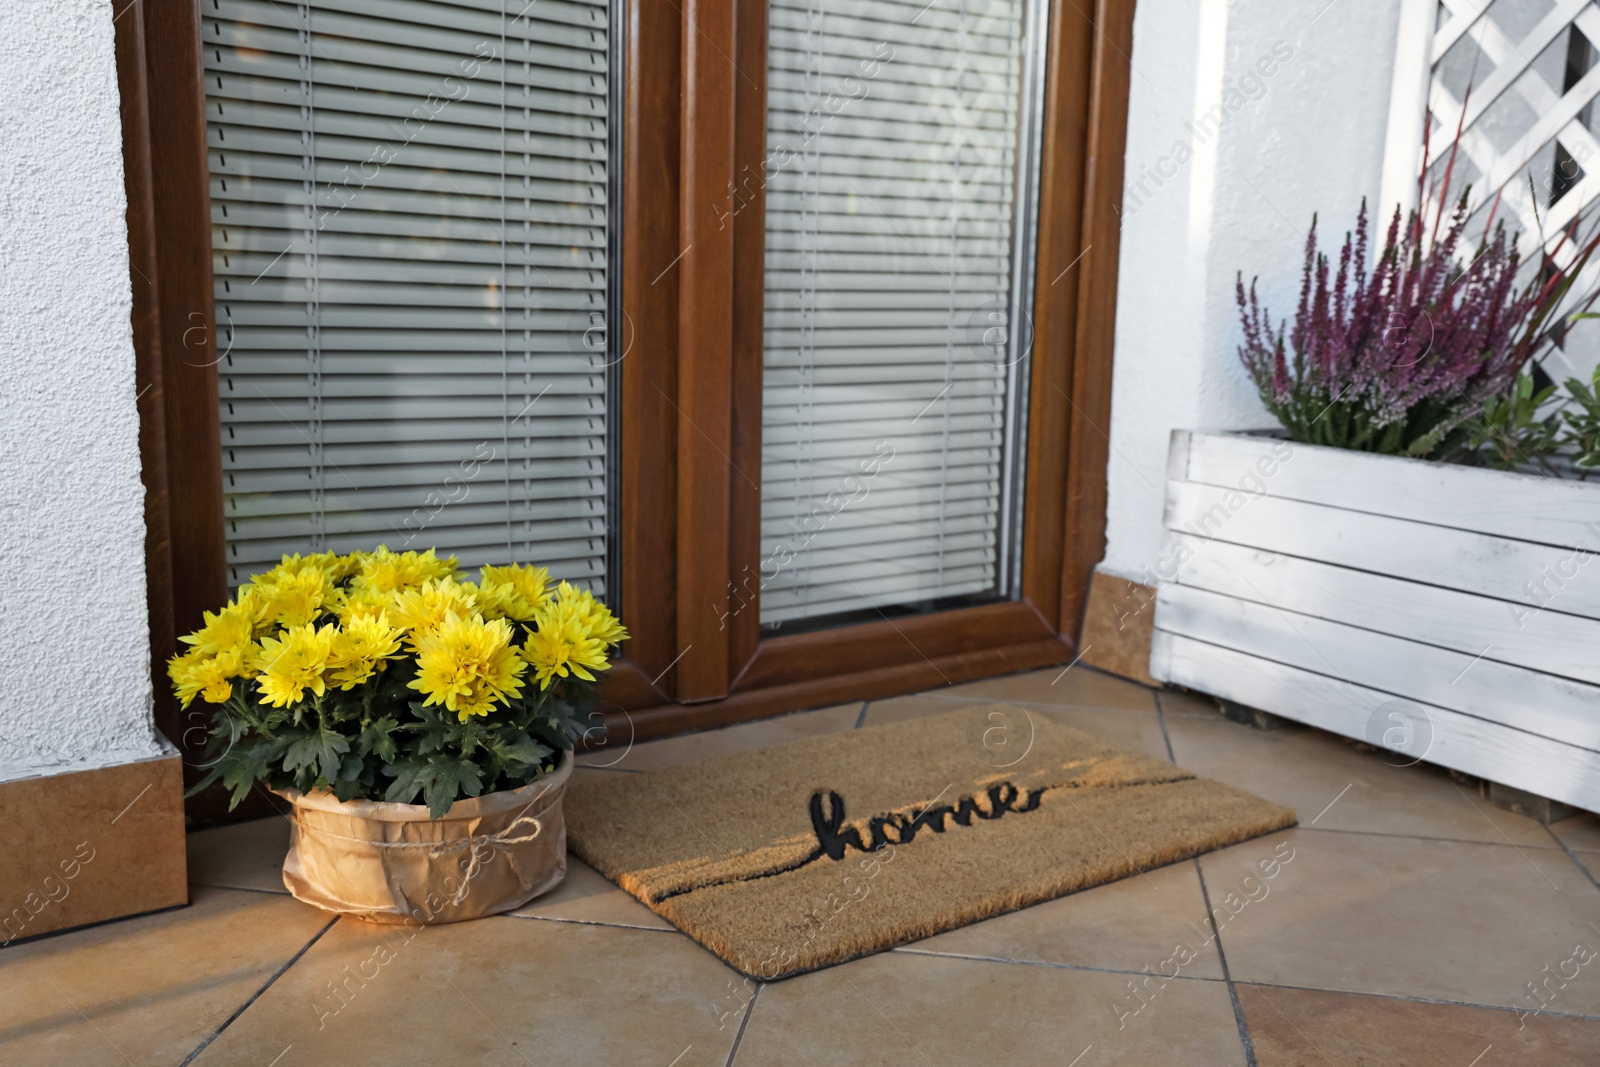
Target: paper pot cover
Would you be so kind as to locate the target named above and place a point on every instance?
(391, 863)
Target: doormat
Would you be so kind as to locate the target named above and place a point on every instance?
(821, 850)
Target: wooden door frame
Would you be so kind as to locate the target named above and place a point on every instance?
(694, 119)
(727, 673)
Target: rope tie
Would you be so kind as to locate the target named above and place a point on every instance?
(482, 845)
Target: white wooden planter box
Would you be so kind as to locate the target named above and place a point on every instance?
(1447, 612)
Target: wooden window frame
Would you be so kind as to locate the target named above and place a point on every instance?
(691, 391)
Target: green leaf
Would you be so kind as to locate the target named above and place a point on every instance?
(350, 768)
(378, 738)
(200, 787)
(522, 750)
(433, 729)
(322, 748)
(240, 776)
(408, 780)
(448, 778)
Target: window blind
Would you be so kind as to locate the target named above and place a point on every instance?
(898, 180)
(411, 247)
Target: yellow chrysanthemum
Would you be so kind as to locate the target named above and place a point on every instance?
(322, 563)
(603, 626)
(229, 630)
(575, 633)
(422, 611)
(513, 592)
(295, 596)
(356, 602)
(361, 648)
(468, 664)
(202, 674)
(294, 662)
(384, 571)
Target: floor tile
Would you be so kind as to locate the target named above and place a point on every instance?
(903, 1010)
(1335, 785)
(148, 990)
(1444, 920)
(1178, 702)
(1079, 686)
(1127, 925)
(1580, 832)
(1138, 730)
(500, 991)
(654, 755)
(241, 855)
(1311, 1028)
(585, 896)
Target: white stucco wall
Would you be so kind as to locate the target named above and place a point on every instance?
(74, 652)
(1306, 137)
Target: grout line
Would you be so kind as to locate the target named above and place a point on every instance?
(1406, 998)
(1415, 837)
(1571, 855)
(18, 942)
(241, 888)
(1424, 1000)
(1161, 717)
(1227, 976)
(862, 718)
(749, 1010)
(1048, 964)
(257, 994)
(595, 922)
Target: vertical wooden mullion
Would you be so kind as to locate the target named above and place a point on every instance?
(745, 212)
(181, 196)
(1068, 55)
(706, 466)
(1089, 444)
(650, 287)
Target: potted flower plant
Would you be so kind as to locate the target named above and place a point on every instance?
(356, 685)
(1398, 563)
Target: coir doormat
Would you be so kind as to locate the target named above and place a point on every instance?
(817, 851)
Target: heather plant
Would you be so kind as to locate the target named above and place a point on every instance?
(1422, 356)
(1398, 359)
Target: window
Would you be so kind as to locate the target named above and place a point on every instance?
(396, 245)
(413, 240)
(900, 177)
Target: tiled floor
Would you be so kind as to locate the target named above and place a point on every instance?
(1408, 924)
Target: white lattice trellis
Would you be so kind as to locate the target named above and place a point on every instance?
(1519, 78)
